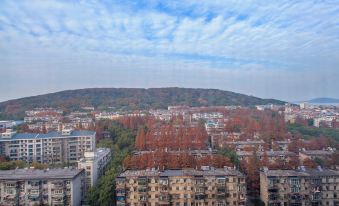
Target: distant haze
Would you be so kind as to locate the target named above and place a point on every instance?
(287, 50)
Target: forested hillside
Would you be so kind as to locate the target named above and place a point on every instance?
(130, 98)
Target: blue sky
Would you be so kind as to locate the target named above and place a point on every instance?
(287, 50)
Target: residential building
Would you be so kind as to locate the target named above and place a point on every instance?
(273, 156)
(187, 187)
(52, 148)
(6, 124)
(42, 187)
(94, 163)
(316, 154)
(301, 187)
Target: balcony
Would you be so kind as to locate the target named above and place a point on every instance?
(164, 189)
(220, 181)
(163, 181)
(142, 190)
(143, 199)
(295, 197)
(221, 196)
(120, 198)
(58, 185)
(200, 196)
(58, 200)
(273, 190)
(58, 195)
(200, 182)
(142, 182)
(164, 198)
(34, 197)
(273, 186)
(316, 196)
(221, 190)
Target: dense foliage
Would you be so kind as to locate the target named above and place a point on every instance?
(123, 98)
(232, 155)
(121, 145)
(310, 132)
(10, 165)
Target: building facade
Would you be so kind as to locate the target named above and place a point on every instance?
(304, 187)
(25, 187)
(186, 187)
(94, 164)
(52, 148)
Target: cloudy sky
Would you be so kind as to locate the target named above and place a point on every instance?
(287, 50)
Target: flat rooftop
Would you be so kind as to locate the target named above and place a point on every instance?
(36, 174)
(317, 152)
(53, 134)
(301, 172)
(180, 172)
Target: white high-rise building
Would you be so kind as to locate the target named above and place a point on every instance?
(94, 163)
(52, 148)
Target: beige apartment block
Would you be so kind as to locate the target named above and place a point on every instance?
(186, 187)
(303, 187)
(28, 187)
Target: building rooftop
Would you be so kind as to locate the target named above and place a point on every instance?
(29, 174)
(269, 153)
(301, 172)
(97, 155)
(180, 172)
(317, 152)
(53, 134)
(246, 142)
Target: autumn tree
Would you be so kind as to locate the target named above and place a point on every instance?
(140, 141)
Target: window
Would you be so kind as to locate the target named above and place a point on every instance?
(295, 189)
(295, 181)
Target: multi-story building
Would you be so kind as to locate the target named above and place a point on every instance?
(6, 124)
(24, 187)
(94, 163)
(302, 187)
(52, 148)
(316, 154)
(187, 187)
(273, 156)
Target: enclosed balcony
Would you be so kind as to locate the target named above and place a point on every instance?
(200, 196)
(142, 181)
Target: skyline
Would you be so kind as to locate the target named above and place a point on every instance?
(286, 50)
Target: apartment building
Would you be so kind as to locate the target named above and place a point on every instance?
(273, 156)
(301, 187)
(52, 148)
(185, 187)
(26, 187)
(94, 164)
(316, 154)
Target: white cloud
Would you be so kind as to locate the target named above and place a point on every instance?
(249, 42)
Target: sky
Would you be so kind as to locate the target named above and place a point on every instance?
(288, 50)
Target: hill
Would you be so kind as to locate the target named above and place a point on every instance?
(130, 98)
(323, 100)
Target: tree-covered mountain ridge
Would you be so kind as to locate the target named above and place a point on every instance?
(131, 98)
